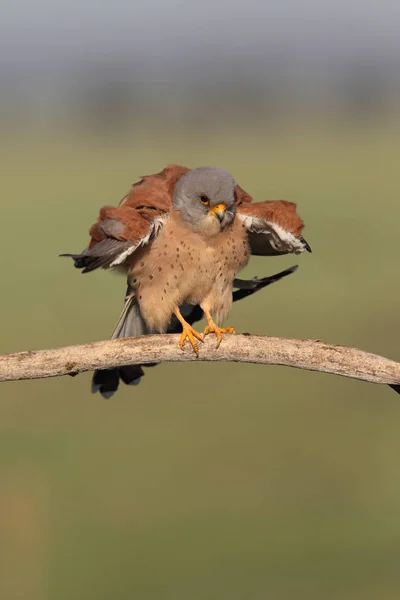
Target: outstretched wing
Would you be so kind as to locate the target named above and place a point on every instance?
(273, 227)
(117, 234)
(121, 230)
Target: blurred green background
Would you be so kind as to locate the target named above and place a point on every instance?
(206, 481)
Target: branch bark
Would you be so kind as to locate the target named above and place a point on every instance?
(312, 355)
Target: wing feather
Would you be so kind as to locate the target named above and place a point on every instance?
(273, 227)
(117, 234)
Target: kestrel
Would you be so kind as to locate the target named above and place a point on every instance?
(181, 236)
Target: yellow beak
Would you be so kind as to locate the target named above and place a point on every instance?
(218, 211)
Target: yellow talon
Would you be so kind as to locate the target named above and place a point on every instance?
(190, 334)
(213, 328)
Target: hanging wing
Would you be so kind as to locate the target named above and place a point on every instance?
(117, 234)
(273, 227)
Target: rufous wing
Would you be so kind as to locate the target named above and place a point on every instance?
(118, 232)
(273, 227)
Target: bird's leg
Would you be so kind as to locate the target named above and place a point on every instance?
(188, 332)
(213, 328)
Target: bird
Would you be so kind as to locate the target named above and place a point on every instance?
(181, 236)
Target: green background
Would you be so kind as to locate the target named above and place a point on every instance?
(206, 481)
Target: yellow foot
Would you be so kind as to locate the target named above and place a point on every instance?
(192, 335)
(213, 328)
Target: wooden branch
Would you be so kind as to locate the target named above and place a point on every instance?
(312, 355)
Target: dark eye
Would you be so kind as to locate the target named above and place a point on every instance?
(204, 199)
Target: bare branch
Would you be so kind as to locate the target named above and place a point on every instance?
(312, 355)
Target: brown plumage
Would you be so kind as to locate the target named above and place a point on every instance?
(181, 236)
(281, 212)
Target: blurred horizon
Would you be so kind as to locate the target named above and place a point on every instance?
(113, 66)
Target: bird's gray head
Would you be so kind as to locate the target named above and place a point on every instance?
(205, 199)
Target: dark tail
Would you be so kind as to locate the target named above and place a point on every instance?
(130, 324)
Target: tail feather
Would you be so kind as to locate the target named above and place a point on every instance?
(105, 381)
(131, 374)
(130, 324)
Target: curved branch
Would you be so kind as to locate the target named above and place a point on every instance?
(312, 355)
